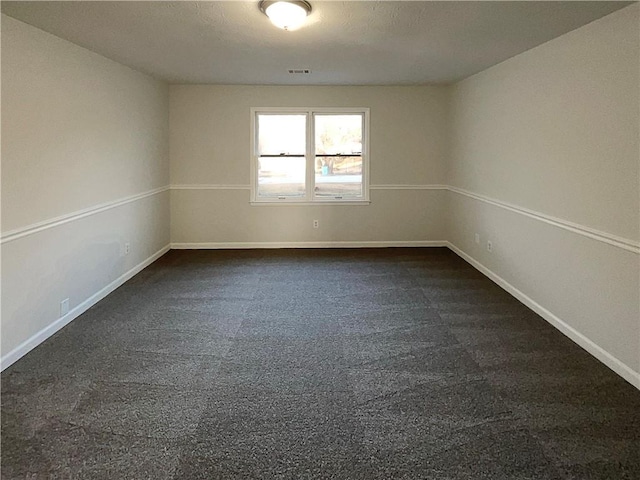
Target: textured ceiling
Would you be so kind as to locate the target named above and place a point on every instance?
(343, 43)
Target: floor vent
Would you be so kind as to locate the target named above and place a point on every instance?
(299, 71)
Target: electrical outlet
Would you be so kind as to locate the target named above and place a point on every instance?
(477, 238)
(316, 224)
(489, 246)
(127, 248)
(64, 307)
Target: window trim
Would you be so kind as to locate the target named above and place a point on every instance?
(309, 198)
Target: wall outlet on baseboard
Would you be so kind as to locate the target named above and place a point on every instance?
(477, 238)
(64, 307)
(489, 246)
(127, 248)
(316, 224)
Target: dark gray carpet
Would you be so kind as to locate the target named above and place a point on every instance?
(341, 364)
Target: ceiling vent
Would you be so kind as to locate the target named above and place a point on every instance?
(299, 71)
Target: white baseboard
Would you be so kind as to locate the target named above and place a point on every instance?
(598, 352)
(247, 245)
(29, 344)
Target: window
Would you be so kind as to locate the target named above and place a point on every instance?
(309, 156)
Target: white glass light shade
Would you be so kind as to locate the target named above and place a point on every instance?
(286, 15)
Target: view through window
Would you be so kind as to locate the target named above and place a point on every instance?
(338, 156)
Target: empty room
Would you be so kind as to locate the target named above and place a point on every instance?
(312, 240)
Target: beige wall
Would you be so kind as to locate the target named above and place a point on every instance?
(556, 128)
(225, 218)
(78, 132)
(209, 143)
(556, 131)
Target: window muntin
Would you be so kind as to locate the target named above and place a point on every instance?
(309, 155)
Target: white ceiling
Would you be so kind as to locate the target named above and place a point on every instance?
(343, 43)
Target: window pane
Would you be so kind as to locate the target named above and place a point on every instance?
(281, 177)
(282, 149)
(282, 134)
(338, 160)
(338, 177)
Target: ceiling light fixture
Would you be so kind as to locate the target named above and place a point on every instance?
(286, 14)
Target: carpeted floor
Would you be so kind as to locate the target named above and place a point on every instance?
(341, 364)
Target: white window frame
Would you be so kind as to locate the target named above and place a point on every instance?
(309, 198)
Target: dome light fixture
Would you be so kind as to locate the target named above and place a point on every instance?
(286, 14)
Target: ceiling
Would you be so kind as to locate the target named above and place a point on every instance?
(343, 43)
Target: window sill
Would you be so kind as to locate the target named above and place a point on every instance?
(294, 203)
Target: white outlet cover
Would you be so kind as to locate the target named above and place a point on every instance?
(64, 307)
(489, 246)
